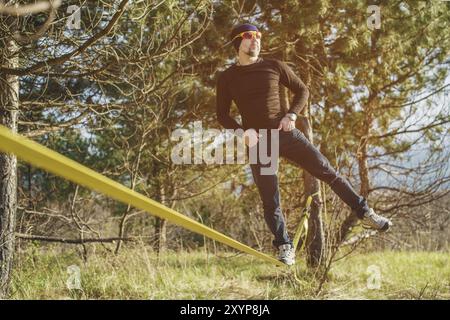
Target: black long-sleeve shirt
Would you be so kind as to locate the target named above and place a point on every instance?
(255, 90)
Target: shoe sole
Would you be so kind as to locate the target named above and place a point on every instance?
(286, 263)
(385, 227)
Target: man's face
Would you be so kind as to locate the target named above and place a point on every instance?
(251, 47)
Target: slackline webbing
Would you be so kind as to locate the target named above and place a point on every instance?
(49, 160)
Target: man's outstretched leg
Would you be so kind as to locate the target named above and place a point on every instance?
(295, 147)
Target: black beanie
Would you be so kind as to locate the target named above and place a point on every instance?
(238, 29)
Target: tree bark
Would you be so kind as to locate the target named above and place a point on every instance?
(161, 235)
(315, 238)
(9, 104)
(161, 226)
(363, 168)
(363, 171)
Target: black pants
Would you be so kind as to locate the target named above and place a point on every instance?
(294, 146)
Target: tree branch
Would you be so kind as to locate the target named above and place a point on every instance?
(67, 56)
(23, 10)
(31, 237)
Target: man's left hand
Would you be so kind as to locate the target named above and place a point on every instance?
(286, 124)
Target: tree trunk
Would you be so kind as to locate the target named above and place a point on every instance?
(363, 168)
(363, 171)
(9, 104)
(161, 235)
(161, 226)
(315, 238)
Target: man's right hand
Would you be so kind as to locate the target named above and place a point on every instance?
(250, 137)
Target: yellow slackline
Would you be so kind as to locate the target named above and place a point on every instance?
(62, 166)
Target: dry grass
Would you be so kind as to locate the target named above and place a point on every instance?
(137, 273)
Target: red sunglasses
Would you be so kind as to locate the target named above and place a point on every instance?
(249, 35)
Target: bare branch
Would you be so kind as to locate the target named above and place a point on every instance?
(38, 66)
(70, 241)
(23, 10)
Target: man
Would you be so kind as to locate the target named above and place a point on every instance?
(253, 84)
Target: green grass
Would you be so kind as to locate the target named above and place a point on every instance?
(137, 273)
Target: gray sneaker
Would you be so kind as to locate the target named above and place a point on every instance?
(374, 221)
(286, 254)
